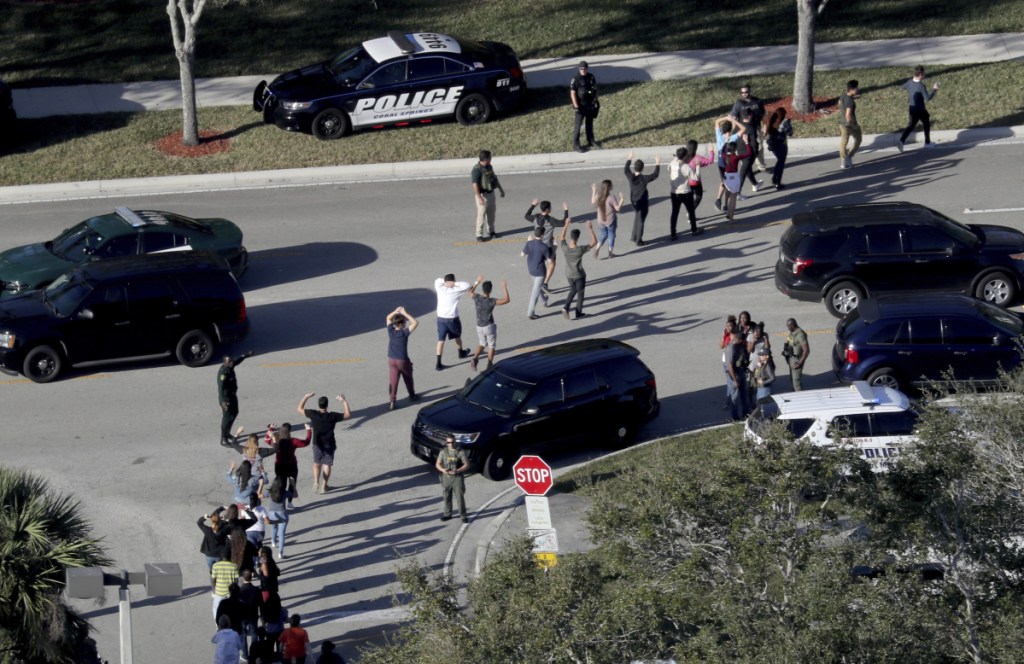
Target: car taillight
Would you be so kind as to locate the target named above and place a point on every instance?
(799, 264)
(515, 72)
(241, 311)
(852, 356)
(651, 383)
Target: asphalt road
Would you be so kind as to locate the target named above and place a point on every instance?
(137, 445)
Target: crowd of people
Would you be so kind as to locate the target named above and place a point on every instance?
(244, 541)
(749, 365)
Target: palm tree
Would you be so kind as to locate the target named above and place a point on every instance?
(42, 533)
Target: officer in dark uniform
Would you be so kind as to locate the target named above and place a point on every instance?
(227, 396)
(453, 464)
(583, 93)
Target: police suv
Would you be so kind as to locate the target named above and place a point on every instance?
(395, 80)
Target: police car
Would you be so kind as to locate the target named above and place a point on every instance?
(876, 420)
(395, 80)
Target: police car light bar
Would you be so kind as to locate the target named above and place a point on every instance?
(129, 216)
(867, 394)
(402, 41)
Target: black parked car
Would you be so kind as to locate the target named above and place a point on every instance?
(395, 80)
(580, 393)
(846, 253)
(902, 341)
(123, 309)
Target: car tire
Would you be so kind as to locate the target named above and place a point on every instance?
(997, 288)
(843, 298)
(884, 377)
(498, 464)
(330, 124)
(473, 109)
(624, 433)
(42, 364)
(194, 349)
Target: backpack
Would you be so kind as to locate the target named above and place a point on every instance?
(740, 357)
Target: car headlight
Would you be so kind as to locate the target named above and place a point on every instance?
(296, 105)
(6, 340)
(465, 438)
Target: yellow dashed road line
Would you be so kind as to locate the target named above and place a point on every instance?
(311, 363)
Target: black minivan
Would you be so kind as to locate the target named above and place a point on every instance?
(582, 393)
(123, 309)
(848, 252)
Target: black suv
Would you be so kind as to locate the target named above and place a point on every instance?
(845, 253)
(581, 392)
(123, 309)
(898, 342)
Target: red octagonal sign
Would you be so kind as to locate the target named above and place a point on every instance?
(532, 474)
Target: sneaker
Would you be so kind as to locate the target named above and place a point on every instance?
(699, 231)
(929, 145)
(581, 315)
(544, 296)
(472, 364)
(718, 204)
(445, 517)
(565, 314)
(534, 316)
(391, 405)
(899, 146)
(280, 556)
(493, 235)
(324, 488)
(463, 353)
(757, 185)
(578, 148)
(672, 237)
(780, 186)
(741, 197)
(844, 163)
(439, 366)
(414, 397)
(465, 519)
(481, 239)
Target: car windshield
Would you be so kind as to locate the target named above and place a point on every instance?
(956, 229)
(65, 294)
(496, 393)
(1004, 320)
(71, 245)
(352, 66)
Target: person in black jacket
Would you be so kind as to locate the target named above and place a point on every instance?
(638, 193)
(215, 537)
(227, 396)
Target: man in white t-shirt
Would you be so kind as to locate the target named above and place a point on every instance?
(448, 324)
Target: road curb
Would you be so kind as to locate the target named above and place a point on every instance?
(445, 168)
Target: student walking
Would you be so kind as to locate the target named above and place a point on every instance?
(449, 325)
(918, 94)
(779, 129)
(638, 194)
(323, 422)
(848, 125)
(734, 175)
(539, 265)
(400, 324)
(607, 208)
(574, 253)
(286, 465)
(698, 162)
(486, 329)
(545, 221)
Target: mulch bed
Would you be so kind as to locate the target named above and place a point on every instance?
(823, 107)
(210, 142)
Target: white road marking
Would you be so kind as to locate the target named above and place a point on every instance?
(989, 210)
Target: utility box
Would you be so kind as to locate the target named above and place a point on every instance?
(83, 582)
(163, 579)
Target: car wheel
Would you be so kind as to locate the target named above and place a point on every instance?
(474, 109)
(884, 377)
(843, 298)
(624, 433)
(42, 364)
(330, 124)
(997, 288)
(195, 348)
(498, 464)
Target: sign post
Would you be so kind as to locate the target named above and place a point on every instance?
(533, 475)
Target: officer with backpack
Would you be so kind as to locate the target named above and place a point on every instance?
(583, 93)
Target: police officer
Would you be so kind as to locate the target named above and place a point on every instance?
(796, 351)
(583, 93)
(453, 463)
(227, 396)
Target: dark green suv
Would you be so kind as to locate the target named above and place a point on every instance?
(179, 304)
(121, 233)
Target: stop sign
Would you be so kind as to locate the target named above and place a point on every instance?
(532, 475)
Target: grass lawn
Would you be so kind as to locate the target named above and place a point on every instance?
(110, 146)
(45, 43)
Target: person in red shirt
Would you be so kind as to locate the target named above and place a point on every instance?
(294, 640)
(734, 174)
(286, 466)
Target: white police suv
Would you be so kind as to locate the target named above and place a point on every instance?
(400, 79)
(877, 420)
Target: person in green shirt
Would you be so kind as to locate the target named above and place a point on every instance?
(222, 575)
(799, 349)
(453, 463)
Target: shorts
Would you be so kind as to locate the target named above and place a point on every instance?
(449, 328)
(733, 182)
(487, 336)
(323, 457)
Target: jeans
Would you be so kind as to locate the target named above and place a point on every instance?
(248, 635)
(763, 392)
(925, 120)
(781, 152)
(607, 232)
(535, 295)
(576, 288)
(277, 530)
(255, 537)
(210, 560)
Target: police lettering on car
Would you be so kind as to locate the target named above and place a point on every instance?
(398, 79)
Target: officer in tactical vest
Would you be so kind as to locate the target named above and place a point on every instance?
(453, 463)
(583, 93)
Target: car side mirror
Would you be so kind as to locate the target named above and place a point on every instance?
(86, 314)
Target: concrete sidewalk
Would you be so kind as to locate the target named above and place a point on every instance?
(554, 72)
